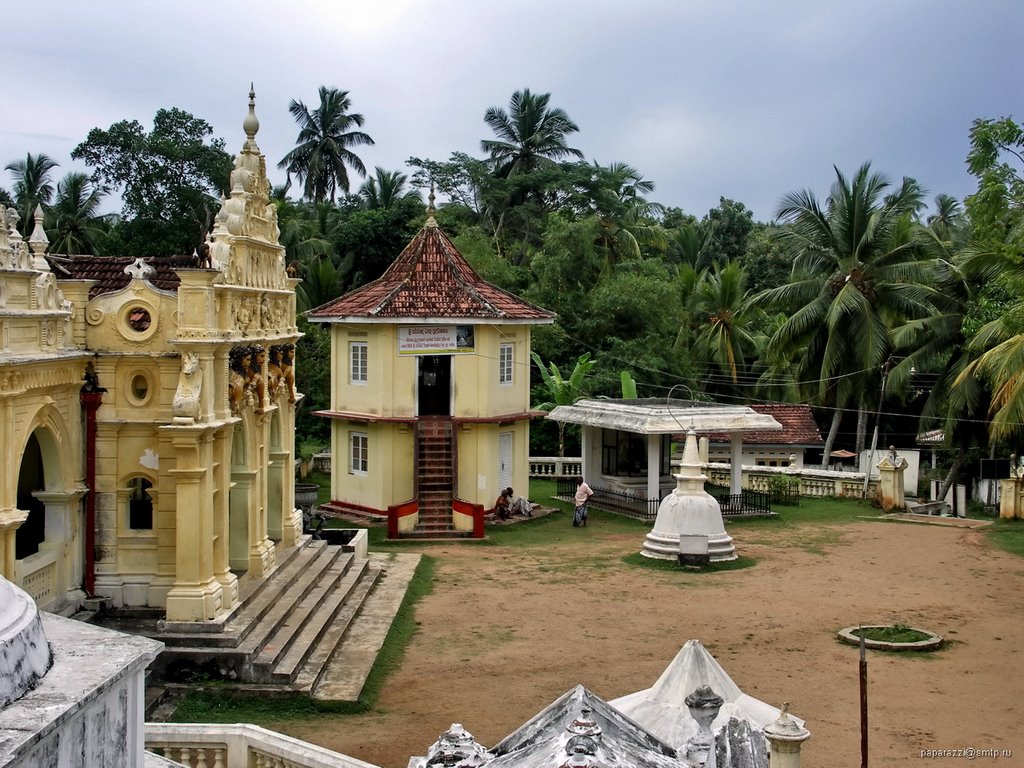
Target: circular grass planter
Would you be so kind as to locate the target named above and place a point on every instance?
(890, 637)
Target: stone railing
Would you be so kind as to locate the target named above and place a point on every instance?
(209, 745)
(812, 482)
(546, 466)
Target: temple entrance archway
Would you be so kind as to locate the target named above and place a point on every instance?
(47, 556)
(31, 478)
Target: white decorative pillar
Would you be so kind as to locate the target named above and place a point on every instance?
(736, 468)
(785, 737)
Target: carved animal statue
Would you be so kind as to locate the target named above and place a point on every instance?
(203, 258)
(190, 386)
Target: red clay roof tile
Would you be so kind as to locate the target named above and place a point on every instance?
(798, 427)
(430, 279)
(109, 272)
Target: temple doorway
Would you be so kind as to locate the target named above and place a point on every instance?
(434, 385)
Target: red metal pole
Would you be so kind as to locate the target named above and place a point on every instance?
(91, 401)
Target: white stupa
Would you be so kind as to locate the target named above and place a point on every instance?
(690, 510)
(662, 710)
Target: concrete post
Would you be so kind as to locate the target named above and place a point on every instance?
(1011, 491)
(785, 737)
(890, 482)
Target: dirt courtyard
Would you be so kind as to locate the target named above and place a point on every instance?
(508, 629)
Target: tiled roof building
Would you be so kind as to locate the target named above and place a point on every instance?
(798, 427)
(430, 279)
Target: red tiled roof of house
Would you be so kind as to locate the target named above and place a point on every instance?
(798, 427)
(431, 279)
(109, 274)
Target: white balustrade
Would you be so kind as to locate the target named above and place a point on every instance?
(211, 745)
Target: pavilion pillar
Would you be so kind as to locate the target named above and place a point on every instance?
(736, 466)
(654, 467)
(785, 738)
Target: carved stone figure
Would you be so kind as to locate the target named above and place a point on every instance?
(240, 361)
(256, 382)
(186, 404)
(275, 376)
(288, 369)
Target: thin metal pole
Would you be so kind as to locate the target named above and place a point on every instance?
(863, 704)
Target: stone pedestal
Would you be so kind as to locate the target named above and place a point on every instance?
(890, 483)
(785, 737)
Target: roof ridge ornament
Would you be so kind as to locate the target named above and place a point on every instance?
(431, 210)
(139, 270)
(38, 241)
(251, 123)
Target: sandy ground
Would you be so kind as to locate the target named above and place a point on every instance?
(508, 630)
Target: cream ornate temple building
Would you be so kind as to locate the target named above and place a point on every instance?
(147, 413)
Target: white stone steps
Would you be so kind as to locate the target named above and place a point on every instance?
(345, 671)
(273, 616)
(245, 617)
(305, 670)
(285, 649)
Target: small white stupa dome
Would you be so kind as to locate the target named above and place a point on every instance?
(689, 510)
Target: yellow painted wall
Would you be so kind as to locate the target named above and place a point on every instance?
(389, 476)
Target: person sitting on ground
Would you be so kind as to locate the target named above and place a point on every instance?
(583, 494)
(502, 507)
(520, 504)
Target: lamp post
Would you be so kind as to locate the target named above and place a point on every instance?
(874, 435)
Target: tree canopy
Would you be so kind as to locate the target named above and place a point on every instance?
(170, 179)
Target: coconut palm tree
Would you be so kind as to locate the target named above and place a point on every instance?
(384, 189)
(948, 220)
(726, 335)
(529, 134)
(322, 153)
(860, 267)
(73, 221)
(32, 185)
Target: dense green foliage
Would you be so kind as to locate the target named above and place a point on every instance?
(865, 303)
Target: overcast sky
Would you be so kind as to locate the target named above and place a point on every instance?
(747, 99)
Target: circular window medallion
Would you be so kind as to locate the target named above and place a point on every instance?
(138, 388)
(139, 319)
